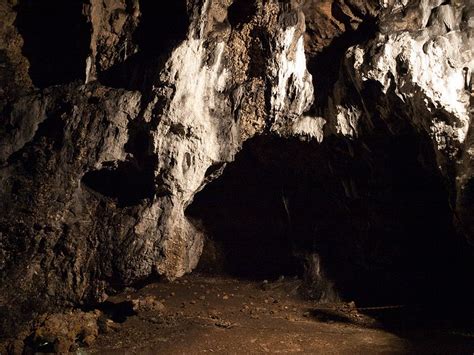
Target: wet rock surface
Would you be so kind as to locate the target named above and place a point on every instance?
(109, 132)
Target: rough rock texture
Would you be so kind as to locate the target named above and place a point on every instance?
(96, 172)
(67, 331)
(13, 72)
(420, 74)
(113, 24)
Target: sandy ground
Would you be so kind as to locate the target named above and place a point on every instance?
(228, 316)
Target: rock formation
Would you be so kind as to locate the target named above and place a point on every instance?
(115, 114)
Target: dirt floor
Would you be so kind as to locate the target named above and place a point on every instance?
(200, 314)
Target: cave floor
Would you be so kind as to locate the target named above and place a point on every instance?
(205, 314)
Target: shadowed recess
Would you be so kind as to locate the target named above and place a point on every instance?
(325, 66)
(241, 11)
(124, 181)
(375, 218)
(159, 31)
(56, 40)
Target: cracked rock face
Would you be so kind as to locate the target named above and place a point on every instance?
(100, 159)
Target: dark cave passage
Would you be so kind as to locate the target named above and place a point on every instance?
(56, 40)
(374, 214)
(244, 212)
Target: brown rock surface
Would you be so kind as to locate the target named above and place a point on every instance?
(114, 115)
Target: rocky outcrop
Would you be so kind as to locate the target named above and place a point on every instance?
(113, 24)
(78, 133)
(96, 173)
(420, 74)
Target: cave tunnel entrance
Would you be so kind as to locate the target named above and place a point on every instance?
(56, 39)
(374, 214)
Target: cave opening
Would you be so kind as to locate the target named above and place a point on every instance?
(56, 39)
(372, 214)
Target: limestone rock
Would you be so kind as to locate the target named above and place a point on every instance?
(97, 166)
(419, 75)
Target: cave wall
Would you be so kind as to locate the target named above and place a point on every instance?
(96, 172)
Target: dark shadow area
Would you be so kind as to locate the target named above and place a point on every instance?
(444, 324)
(137, 72)
(56, 40)
(329, 315)
(50, 133)
(444, 327)
(39, 347)
(439, 316)
(259, 49)
(118, 312)
(244, 212)
(160, 30)
(376, 216)
(132, 181)
(241, 12)
(126, 182)
(325, 66)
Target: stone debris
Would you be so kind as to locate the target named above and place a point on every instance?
(65, 332)
(148, 304)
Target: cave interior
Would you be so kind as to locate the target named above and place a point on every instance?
(375, 214)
